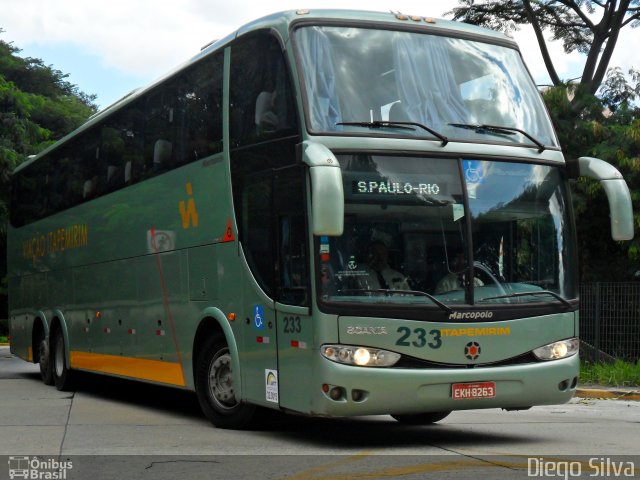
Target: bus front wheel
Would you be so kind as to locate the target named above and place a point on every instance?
(421, 418)
(62, 376)
(215, 387)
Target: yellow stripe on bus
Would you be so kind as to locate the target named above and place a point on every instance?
(140, 368)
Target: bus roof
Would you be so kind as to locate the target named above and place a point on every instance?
(391, 18)
(282, 21)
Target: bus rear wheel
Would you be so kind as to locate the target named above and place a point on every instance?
(44, 359)
(215, 387)
(421, 418)
(62, 376)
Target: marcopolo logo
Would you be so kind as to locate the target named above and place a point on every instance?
(484, 314)
(37, 468)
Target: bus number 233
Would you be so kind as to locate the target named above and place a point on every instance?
(419, 337)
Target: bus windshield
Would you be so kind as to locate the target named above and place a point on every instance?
(367, 81)
(412, 237)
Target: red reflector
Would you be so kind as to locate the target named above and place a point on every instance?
(295, 343)
(259, 339)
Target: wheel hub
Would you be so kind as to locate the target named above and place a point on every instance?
(221, 381)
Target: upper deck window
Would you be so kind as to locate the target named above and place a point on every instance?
(447, 84)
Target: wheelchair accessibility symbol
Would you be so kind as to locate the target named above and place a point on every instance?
(258, 316)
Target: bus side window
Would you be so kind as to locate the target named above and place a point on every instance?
(261, 103)
(160, 129)
(288, 203)
(121, 148)
(199, 111)
(263, 138)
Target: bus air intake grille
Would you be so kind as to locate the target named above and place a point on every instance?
(411, 362)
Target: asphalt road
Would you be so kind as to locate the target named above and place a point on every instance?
(113, 428)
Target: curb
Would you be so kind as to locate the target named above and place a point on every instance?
(601, 393)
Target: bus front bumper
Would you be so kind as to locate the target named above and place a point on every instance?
(377, 391)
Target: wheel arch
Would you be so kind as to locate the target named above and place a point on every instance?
(212, 322)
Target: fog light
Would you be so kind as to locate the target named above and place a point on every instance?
(358, 395)
(563, 385)
(336, 393)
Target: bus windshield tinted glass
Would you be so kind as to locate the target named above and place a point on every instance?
(367, 75)
(406, 237)
(522, 234)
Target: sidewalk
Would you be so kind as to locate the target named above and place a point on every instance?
(613, 393)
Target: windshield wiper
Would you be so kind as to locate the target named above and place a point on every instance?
(388, 291)
(481, 128)
(401, 125)
(526, 294)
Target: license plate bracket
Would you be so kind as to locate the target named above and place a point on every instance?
(466, 391)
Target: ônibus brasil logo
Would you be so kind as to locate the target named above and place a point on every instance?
(37, 468)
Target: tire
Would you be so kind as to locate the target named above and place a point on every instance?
(421, 418)
(214, 387)
(46, 372)
(62, 376)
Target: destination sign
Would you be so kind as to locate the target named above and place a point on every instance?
(394, 188)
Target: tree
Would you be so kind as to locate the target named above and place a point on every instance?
(590, 27)
(613, 135)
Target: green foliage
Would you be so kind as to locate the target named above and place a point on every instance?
(618, 374)
(613, 136)
(37, 107)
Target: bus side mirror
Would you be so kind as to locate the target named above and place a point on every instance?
(620, 208)
(327, 195)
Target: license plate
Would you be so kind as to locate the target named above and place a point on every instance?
(461, 391)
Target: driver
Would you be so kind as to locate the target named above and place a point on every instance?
(454, 280)
(379, 275)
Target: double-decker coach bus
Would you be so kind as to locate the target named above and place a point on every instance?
(327, 212)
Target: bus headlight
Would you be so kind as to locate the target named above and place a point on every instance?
(361, 356)
(557, 350)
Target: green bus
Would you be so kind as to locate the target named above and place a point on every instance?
(328, 213)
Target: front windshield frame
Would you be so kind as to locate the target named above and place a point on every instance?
(468, 298)
(455, 133)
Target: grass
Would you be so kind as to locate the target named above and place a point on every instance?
(3, 339)
(618, 374)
